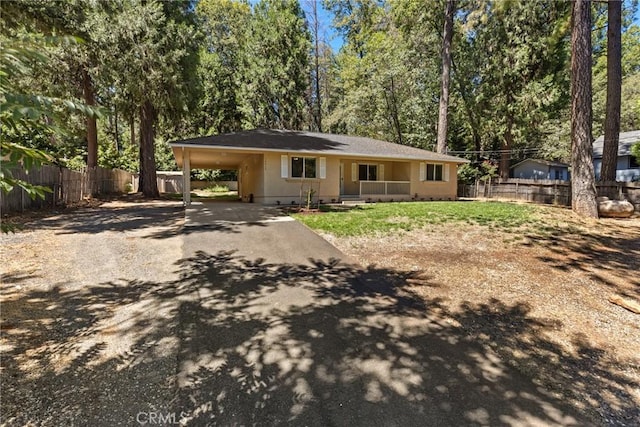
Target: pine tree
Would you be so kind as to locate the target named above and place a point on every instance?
(583, 188)
(614, 89)
(223, 65)
(277, 73)
(149, 52)
(447, 37)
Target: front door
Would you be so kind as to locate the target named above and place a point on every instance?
(341, 178)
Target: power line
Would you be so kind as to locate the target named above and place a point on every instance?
(517, 150)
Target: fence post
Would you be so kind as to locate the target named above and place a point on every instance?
(61, 181)
(619, 191)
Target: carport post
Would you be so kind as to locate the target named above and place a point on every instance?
(186, 178)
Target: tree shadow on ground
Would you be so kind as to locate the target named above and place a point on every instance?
(605, 258)
(235, 341)
(132, 217)
(161, 220)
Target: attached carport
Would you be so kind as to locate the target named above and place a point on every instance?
(281, 166)
(190, 157)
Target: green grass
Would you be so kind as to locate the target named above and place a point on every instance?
(390, 217)
(217, 189)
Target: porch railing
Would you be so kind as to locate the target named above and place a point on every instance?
(378, 188)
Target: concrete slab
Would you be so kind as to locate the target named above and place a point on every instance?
(256, 232)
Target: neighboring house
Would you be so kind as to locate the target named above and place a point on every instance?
(540, 169)
(277, 166)
(628, 168)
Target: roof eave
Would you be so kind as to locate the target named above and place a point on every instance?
(450, 159)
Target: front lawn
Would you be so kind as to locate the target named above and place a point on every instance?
(388, 217)
(517, 264)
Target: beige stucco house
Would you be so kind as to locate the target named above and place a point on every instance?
(280, 167)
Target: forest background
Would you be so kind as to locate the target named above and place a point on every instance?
(154, 72)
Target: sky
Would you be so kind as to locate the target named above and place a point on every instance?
(328, 33)
(331, 36)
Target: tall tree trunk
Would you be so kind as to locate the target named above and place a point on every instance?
(394, 111)
(148, 184)
(92, 129)
(132, 137)
(115, 122)
(316, 54)
(92, 132)
(583, 188)
(473, 120)
(326, 80)
(132, 129)
(507, 144)
(614, 87)
(446, 72)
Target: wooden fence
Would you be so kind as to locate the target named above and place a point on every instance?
(546, 191)
(172, 182)
(168, 182)
(67, 186)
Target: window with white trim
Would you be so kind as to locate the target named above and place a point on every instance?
(303, 167)
(434, 172)
(367, 172)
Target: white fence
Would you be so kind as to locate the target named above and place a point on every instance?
(380, 188)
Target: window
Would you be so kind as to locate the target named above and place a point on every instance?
(434, 172)
(633, 162)
(367, 172)
(303, 167)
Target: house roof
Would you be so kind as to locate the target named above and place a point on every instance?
(543, 162)
(312, 143)
(627, 139)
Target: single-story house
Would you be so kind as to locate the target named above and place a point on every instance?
(281, 166)
(540, 169)
(627, 168)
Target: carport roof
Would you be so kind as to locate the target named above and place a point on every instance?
(259, 140)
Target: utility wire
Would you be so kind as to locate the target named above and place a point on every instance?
(517, 150)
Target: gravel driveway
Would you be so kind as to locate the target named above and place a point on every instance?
(124, 315)
(84, 341)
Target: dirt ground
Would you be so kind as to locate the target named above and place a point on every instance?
(558, 278)
(68, 304)
(539, 294)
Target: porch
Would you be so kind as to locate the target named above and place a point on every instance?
(385, 188)
(366, 179)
